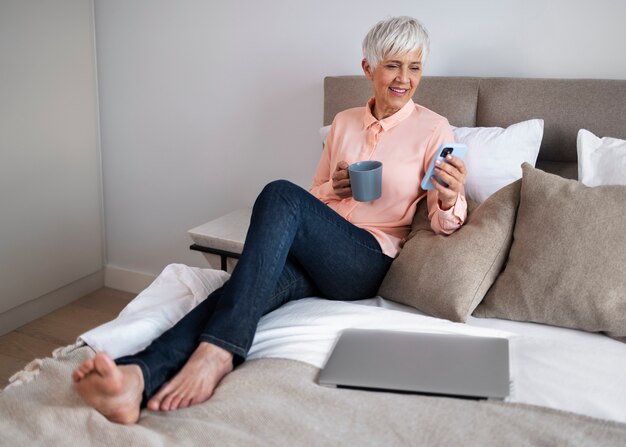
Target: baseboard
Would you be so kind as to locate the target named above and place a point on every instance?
(126, 280)
(37, 308)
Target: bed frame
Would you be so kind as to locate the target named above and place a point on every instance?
(565, 105)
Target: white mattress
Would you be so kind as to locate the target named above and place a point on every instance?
(552, 367)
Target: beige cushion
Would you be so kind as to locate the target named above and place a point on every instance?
(567, 265)
(447, 276)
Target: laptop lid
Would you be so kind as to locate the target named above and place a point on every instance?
(441, 364)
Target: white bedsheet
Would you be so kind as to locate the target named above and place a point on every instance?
(552, 367)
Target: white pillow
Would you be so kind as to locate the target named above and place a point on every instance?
(495, 155)
(601, 161)
(176, 291)
(324, 133)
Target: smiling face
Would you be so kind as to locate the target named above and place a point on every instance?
(395, 79)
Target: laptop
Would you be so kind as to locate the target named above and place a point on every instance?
(414, 362)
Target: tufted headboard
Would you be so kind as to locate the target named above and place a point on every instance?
(565, 105)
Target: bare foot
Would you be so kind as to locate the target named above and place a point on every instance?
(197, 380)
(84, 369)
(115, 391)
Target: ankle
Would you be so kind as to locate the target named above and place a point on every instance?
(135, 374)
(216, 352)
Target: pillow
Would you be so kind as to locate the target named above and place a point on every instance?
(495, 155)
(324, 133)
(447, 276)
(567, 265)
(171, 296)
(601, 161)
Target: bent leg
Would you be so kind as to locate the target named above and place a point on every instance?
(342, 260)
(296, 247)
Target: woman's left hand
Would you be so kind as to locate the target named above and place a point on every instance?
(454, 174)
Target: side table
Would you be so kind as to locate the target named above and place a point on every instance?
(223, 237)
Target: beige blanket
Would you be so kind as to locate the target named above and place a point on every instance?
(278, 402)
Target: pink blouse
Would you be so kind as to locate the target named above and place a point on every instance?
(405, 143)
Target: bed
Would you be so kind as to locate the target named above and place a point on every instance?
(567, 384)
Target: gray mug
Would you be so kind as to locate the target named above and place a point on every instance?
(366, 178)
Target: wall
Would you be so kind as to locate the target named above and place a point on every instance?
(204, 102)
(51, 235)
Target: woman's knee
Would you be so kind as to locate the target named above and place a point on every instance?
(280, 189)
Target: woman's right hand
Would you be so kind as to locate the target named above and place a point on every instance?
(341, 180)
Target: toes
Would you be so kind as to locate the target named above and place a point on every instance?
(184, 403)
(166, 403)
(86, 367)
(153, 404)
(169, 398)
(104, 365)
(175, 404)
(79, 373)
(155, 401)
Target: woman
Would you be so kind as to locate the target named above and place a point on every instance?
(318, 243)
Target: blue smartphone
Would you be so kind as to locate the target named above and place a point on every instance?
(456, 149)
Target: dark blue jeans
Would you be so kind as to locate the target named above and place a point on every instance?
(296, 247)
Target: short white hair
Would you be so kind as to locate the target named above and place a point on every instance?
(393, 36)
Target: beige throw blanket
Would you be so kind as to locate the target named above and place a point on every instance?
(278, 402)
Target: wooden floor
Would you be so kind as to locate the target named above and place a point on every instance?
(60, 328)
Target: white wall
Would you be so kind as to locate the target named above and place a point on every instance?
(202, 102)
(50, 196)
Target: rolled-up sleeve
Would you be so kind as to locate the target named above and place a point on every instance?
(448, 221)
